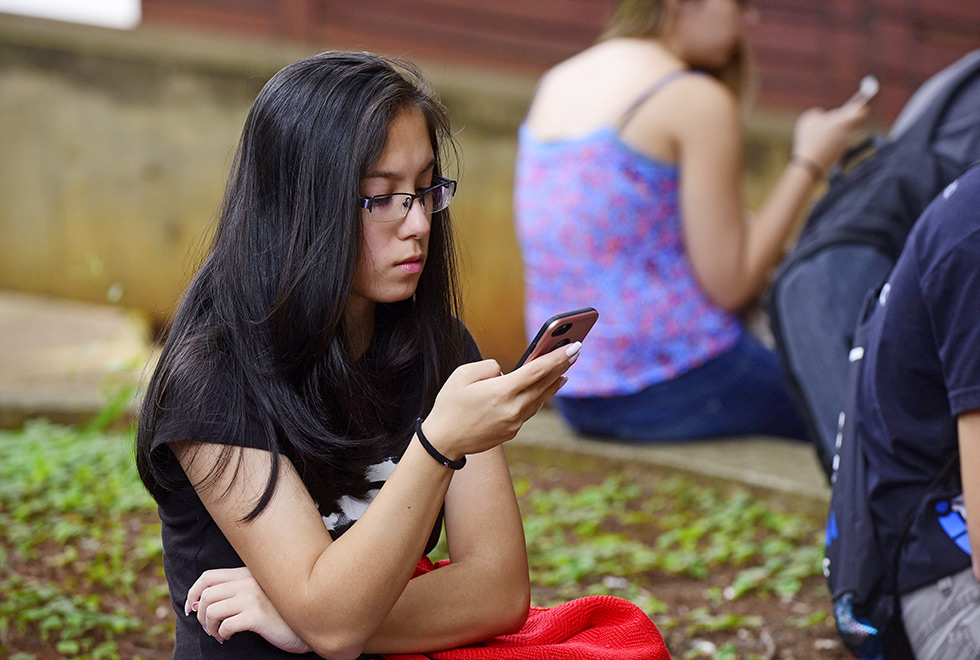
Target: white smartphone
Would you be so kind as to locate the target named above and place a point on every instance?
(560, 330)
(867, 89)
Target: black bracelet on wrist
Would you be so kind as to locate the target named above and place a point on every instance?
(433, 452)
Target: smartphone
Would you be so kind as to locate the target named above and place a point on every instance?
(867, 89)
(560, 330)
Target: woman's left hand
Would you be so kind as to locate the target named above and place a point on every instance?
(229, 600)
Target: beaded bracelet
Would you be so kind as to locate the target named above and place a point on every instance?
(435, 453)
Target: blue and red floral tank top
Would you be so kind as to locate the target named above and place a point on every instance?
(599, 225)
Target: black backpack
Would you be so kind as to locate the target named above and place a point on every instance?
(854, 233)
(860, 578)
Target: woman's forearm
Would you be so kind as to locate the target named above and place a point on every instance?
(485, 591)
(459, 604)
(770, 230)
(358, 579)
(968, 427)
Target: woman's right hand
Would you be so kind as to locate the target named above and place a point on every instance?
(821, 135)
(479, 408)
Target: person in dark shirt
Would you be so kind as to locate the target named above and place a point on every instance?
(917, 407)
(305, 426)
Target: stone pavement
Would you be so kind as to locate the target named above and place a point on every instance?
(57, 358)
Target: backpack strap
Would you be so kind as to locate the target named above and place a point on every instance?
(657, 85)
(923, 128)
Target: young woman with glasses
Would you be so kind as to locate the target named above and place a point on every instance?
(304, 427)
(628, 199)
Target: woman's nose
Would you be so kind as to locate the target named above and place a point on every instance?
(417, 221)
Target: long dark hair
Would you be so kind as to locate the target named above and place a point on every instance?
(257, 349)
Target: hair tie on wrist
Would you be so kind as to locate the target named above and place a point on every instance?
(433, 452)
(807, 164)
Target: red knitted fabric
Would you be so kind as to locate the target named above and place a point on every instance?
(591, 628)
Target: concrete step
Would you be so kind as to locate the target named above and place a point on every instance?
(773, 463)
(62, 359)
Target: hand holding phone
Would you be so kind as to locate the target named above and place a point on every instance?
(467, 417)
(560, 330)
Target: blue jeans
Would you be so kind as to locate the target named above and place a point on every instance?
(740, 392)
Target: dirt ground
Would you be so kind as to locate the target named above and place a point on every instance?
(770, 637)
(773, 639)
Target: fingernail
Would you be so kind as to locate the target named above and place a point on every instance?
(187, 608)
(563, 379)
(572, 359)
(195, 605)
(573, 349)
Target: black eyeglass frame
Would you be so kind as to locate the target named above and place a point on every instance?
(438, 182)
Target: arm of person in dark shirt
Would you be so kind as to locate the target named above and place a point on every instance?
(969, 431)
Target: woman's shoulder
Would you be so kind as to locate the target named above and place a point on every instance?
(694, 95)
(585, 92)
(692, 104)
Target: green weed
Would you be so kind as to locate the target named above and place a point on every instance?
(581, 537)
(71, 499)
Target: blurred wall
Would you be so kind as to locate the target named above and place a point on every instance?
(116, 147)
(115, 150)
(809, 52)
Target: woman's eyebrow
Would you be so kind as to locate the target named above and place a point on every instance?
(388, 174)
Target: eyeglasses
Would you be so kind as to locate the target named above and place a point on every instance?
(395, 206)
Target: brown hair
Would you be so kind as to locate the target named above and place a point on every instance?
(651, 18)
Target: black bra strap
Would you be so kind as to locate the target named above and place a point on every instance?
(657, 85)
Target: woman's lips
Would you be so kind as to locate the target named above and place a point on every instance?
(413, 265)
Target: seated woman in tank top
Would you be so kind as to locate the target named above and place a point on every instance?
(628, 199)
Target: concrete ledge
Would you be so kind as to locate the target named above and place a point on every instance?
(773, 463)
(58, 357)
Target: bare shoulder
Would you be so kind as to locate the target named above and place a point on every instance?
(698, 102)
(585, 91)
(563, 81)
(689, 110)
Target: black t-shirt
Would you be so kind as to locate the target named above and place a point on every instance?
(193, 543)
(920, 369)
